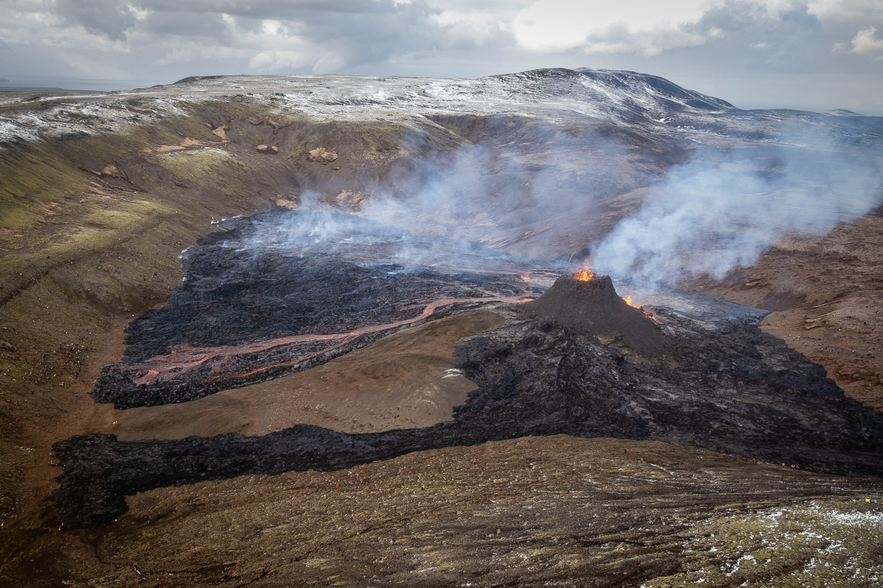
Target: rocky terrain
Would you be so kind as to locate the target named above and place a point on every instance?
(731, 389)
(247, 312)
(479, 195)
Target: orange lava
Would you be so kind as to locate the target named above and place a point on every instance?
(585, 274)
(651, 317)
(628, 300)
(183, 358)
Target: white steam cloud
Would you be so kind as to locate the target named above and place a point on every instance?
(723, 210)
(533, 204)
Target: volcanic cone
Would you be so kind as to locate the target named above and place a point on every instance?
(593, 307)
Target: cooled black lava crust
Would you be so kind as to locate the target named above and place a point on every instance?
(735, 390)
(577, 361)
(282, 274)
(232, 297)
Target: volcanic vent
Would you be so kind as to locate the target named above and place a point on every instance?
(591, 306)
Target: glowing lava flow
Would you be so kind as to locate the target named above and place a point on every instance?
(628, 300)
(184, 358)
(585, 274)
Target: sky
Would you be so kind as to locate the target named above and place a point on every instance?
(806, 54)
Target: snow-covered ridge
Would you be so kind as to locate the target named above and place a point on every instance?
(615, 97)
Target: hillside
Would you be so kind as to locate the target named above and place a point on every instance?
(103, 195)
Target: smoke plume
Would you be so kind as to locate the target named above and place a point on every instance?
(722, 210)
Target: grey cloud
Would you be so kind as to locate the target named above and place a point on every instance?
(108, 18)
(794, 27)
(275, 9)
(360, 38)
(355, 33)
(619, 38)
(188, 24)
(344, 34)
(729, 16)
(793, 41)
(802, 17)
(859, 11)
(735, 15)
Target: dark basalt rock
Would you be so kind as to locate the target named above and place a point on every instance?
(735, 390)
(576, 361)
(592, 307)
(281, 275)
(232, 297)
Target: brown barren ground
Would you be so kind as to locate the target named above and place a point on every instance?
(83, 253)
(402, 381)
(827, 298)
(530, 511)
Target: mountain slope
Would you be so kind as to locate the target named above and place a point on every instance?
(99, 194)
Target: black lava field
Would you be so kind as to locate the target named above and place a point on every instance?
(285, 291)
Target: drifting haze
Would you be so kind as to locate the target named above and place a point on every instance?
(723, 210)
(813, 54)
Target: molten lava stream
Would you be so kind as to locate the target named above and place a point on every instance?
(184, 358)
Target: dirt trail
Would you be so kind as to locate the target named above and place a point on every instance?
(83, 416)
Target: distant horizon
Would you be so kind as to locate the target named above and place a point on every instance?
(99, 86)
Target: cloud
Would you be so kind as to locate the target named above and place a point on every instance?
(210, 26)
(865, 41)
(340, 35)
(626, 26)
(275, 35)
(329, 37)
(476, 25)
(734, 16)
(648, 28)
(780, 37)
(858, 10)
(621, 39)
(274, 60)
(108, 18)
